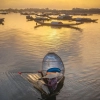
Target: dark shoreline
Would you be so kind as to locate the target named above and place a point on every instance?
(74, 11)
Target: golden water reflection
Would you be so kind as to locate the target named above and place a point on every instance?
(37, 43)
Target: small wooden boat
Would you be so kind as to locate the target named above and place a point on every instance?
(1, 20)
(84, 20)
(30, 18)
(3, 12)
(24, 13)
(49, 81)
(43, 15)
(61, 17)
(53, 23)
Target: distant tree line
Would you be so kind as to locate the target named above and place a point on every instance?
(73, 11)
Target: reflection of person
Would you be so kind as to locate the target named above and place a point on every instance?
(51, 98)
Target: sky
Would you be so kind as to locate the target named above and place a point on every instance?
(52, 4)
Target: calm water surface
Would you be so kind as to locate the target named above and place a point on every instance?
(22, 48)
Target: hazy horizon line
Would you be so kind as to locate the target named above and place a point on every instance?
(50, 8)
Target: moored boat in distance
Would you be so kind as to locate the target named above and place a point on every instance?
(30, 18)
(58, 23)
(43, 14)
(2, 21)
(84, 20)
(4, 13)
(64, 17)
(61, 17)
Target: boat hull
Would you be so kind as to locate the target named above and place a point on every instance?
(52, 60)
(62, 25)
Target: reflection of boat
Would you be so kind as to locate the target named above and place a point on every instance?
(84, 20)
(49, 81)
(59, 27)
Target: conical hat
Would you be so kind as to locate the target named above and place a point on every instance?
(53, 75)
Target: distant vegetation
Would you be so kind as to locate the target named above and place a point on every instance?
(73, 11)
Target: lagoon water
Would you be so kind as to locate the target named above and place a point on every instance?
(22, 48)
